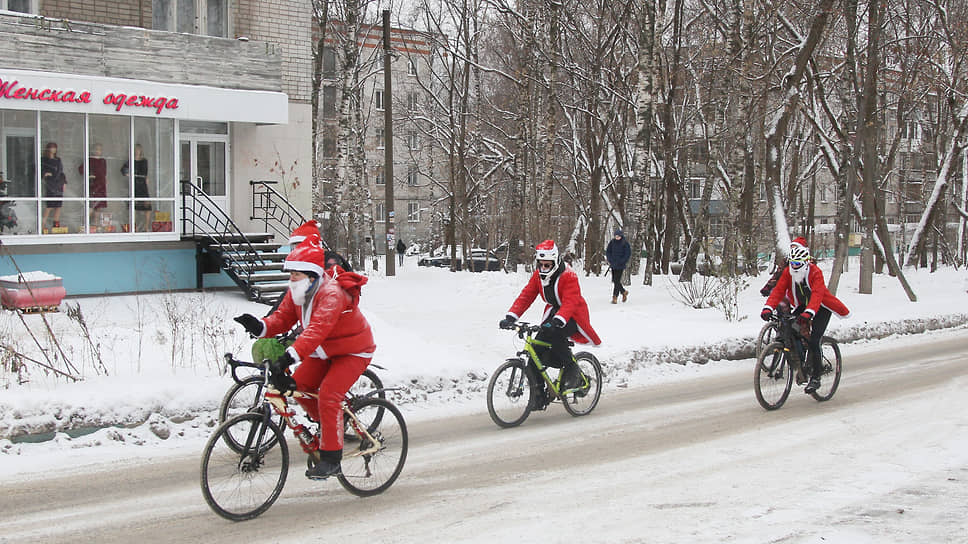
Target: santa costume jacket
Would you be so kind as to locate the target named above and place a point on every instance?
(812, 293)
(562, 298)
(332, 322)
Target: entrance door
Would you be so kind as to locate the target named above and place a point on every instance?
(204, 161)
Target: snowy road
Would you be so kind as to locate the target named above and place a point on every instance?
(689, 461)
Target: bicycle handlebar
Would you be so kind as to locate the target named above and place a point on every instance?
(235, 364)
(523, 327)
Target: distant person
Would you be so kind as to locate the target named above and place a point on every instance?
(54, 180)
(802, 283)
(618, 253)
(565, 315)
(401, 249)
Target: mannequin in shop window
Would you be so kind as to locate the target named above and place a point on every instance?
(142, 207)
(54, 180)
(97, 179)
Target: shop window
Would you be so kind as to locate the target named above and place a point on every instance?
(75, 176)
(413, 211)
(20, 6)
(209, 17)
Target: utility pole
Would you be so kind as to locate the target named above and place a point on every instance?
(388, 144)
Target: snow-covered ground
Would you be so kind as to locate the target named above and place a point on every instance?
(153, 375)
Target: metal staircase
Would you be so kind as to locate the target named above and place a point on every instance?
(252, 260)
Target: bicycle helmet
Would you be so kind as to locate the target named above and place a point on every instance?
(799, 258)
(546, 251)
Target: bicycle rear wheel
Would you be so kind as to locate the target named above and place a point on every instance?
(584, 400)
(830, 377)
(772, 377)
(239, 483)
(509, 394)
(367, 468)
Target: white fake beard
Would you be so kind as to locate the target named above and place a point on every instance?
(799, 275)
(298, 290)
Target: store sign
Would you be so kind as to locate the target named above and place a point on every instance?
(12, 90)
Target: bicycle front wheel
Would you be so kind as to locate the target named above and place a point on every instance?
(370, 468)
(830, 376)
(772, 377)
(239, 483)
(765, 337)
(509, 394)
(583, 400)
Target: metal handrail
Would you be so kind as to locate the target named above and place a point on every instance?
(211, 215)
(273, 209)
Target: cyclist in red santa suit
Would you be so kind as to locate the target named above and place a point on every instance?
(333, 350)
(566, 312)
(802, 283)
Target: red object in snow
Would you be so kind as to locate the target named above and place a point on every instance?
(31, 291)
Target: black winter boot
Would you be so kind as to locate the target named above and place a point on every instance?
(327, 465)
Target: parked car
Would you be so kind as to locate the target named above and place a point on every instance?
(480, 260)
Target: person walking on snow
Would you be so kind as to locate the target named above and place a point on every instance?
(802, 283)
(565, 314)
(401, 249)
(334, 348)
(618, 253)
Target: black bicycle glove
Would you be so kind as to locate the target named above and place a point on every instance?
(252, 324)
(278, 377)
(507, 322)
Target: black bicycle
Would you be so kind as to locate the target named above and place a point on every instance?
(785, 359)
(522, 384)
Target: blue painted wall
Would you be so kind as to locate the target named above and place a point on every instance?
(127, 271)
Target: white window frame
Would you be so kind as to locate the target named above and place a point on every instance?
(201, 17)
(412, 174)
(381, 138)
(412, 101)
(413, 211)
(380, 177)
(411, 67)
(378, 100)
(381, 212)
(413, 141)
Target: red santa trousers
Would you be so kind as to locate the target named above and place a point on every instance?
(332, 378)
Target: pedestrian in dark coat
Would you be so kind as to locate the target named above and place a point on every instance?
(618, 253)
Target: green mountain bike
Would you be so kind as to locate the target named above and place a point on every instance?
(522, 384)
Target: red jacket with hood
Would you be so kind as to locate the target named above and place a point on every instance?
(812, 293)
(332, 322)
(566, 290)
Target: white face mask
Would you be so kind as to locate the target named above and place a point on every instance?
(298, 290)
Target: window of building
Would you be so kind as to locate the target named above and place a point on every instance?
(411, 101)
(413, 142)
(411, 67)
(209, 17)
(381, 140)
(85, 173)
(381, 212)
(329, 62)
(413, 211)
(378, 99)
(20, 6)
(412, 175)
(380, 179)
(695, 188)
(912, 191)
(329, 146)
(329, 102)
